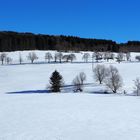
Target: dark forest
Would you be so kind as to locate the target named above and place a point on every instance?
(14, 41)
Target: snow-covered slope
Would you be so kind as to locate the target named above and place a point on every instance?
(69, 117)
(36, 76)
(28, 112)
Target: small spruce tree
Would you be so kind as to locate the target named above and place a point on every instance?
(56, 81)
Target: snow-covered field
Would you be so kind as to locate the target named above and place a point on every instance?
(27, 112)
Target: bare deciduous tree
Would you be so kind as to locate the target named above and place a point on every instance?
(86, 57)
(66, 58)
(48, 56)
(72, 57)
(2, 57)
(59, 56)
(8, 60)
(128, 56)
(69, 57)
(100, 73)
(108, 55)
(32, 57)
(55, 57)
(20, 59)
(77, 84)
(82, 77)
(79, 81)
(97, 56)
(113, 80)
(137, 86)
(112, 55)
(120, 57)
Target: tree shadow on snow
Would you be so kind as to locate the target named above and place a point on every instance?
(46, 63)
(70, 88)
(100, 92)
(64, 89)
(29, 63)
(29, 92)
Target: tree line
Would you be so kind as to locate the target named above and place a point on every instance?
(59, 57)
(14, 41)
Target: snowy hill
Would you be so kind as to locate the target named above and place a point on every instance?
(28, 112)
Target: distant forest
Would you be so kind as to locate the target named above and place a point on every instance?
(14, 41)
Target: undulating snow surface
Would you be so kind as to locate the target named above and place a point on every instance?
(28, 112)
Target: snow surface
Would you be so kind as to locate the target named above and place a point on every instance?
(28, 112)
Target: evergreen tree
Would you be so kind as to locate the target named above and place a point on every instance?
(56, 81)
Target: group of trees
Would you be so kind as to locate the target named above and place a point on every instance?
(5, 58)
(57, 82)
(107, 56)
(109, 76)
(123, 56)
(111, 56)
(130, 46)
(14, 41)
(70, 57)
(32, 56)
(112, 79)
(60, 56)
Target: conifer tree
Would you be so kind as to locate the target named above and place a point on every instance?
(56, 81)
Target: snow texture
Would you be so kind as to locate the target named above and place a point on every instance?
(29, 112)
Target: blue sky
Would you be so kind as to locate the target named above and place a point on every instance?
(103, 19)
